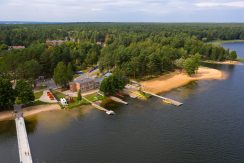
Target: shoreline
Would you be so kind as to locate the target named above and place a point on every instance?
(227, 62)
(29, 111)
(178, 79)
(161, 84)
(220, 42)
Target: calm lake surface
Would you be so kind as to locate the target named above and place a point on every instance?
(209, 127)
(238, 47)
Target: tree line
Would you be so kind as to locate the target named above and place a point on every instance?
(139, 49)
(26, 34)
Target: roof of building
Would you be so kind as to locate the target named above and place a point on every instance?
(83, 79)
(98, 80)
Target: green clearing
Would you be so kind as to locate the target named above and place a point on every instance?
(76, 75)
(92, 97)
(58, 95)
(38, 103)
(35, 103)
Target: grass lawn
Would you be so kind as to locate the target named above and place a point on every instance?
(35, 103)
(38, 103)
(58, 94)
(38, 94)
(75, 104)
(92, 97)
(76, 75)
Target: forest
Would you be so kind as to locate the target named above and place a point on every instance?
(138, 49)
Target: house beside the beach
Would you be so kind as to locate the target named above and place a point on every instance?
(84, 83)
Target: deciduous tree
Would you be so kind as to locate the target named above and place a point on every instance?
(24, 92)
(7, 94)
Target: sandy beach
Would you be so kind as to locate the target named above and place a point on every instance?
(177, 79)
(29, 111)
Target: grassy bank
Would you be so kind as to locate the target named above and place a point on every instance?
(38, 94)
(240, 59)
(92, 97)
(58, 94)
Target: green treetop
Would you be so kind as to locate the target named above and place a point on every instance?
(63, 74)
(24, 92)
(113, 83)
(7, 94)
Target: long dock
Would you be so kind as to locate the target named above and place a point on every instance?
(176, 103)
(99, 107)
(23, 143)
(116, 99)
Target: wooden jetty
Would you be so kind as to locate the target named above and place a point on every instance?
(109, 112)
(116, 99)
(176, 103)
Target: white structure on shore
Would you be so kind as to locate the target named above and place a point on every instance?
(63, 101)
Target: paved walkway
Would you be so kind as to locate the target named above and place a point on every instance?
(23, 143)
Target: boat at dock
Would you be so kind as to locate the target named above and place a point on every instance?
(110, 112)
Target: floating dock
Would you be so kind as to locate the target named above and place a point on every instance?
(176, 103)
(23, 143)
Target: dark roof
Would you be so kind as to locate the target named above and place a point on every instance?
(84, 80)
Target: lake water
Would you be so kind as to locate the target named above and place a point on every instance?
(238, 47)
(209, 127)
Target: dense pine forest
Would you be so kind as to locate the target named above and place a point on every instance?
(138, 49)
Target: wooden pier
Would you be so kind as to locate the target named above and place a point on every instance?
(23, 143)
(109, 112)
(176, 103)
(116, 99)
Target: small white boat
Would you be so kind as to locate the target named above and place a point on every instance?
(110, 112)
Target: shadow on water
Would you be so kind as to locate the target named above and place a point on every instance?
(31, 125)
(185, 92)
(51, 122)
(7, 128)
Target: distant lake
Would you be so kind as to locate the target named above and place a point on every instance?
(209, 127)
(238, 47)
